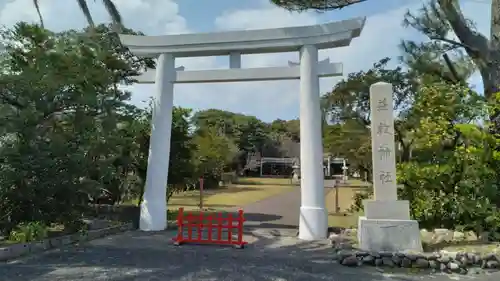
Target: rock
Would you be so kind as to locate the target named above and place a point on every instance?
(378, 262)
(400, 254)
(426, 235)
(490, 257)
(472, 258)
(453, 266)
(350, 232)
(375, 254)
(444, 259)
(492, 264)
(421, 263)
(443, 267)
(342, 254)
(432, 256)
(369, 260)
(362, 254)
(386, 254)
(484, 236)
(338, 240)
(470, 236)
(406, 263)
(344, 246)
(458, 236)
(350, 261)
(464, 261)
(397, 260)
(387, 261)
(414, 256)
(442, 235)
(334, 239)
(434, 264)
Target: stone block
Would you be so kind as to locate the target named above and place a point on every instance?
(40, 246)
(387, 209)
(18, 250)
(389, 235)
(76, 237)
(97, 233)
(66, 240)
(5, 253)
(55, 242)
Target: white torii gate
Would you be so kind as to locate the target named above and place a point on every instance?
(306, 39)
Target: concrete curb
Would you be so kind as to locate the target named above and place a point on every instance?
(17, 250)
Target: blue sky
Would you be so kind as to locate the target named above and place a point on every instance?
(266, 100)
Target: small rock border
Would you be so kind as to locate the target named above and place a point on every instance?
(17, 250)
(443, 261)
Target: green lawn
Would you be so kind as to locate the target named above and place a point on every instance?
(246, 191)
(343, 218)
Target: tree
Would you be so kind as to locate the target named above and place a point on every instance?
(448, 183)
(63, 129)
(348, 104)
(484, 52)
(108, 4)
(320, 5)
(62, 110)
(213, 155)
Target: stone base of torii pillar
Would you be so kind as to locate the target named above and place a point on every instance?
(386, 225)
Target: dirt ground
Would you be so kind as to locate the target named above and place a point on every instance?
(140, 256)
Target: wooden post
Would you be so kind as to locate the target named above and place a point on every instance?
(201, 193)
(240, 226)
(337, 187)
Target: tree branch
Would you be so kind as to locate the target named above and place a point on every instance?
(459, 25)
(455, 43)
(319, 5)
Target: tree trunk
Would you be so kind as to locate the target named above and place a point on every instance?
(491, 77)
(485, 53)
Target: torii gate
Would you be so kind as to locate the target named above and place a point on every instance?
(305, 39)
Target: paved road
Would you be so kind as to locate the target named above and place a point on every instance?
(136, 256)
(279, 211)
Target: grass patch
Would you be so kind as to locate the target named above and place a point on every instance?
(172, 214)
(55, 230)
(246, 191)
(343, 218)
(468, 246)
(355, 183)
(265, 181)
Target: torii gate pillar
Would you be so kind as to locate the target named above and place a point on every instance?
(313, 220)
(154, 206)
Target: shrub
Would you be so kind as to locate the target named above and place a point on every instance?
(28, 232)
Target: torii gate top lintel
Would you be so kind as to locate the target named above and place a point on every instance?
(287, 39)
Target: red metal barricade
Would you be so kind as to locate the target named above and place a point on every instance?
(207, 223)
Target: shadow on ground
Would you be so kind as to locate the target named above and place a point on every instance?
(250, 182)
(139, 256)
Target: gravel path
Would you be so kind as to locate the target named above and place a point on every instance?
(139, 256)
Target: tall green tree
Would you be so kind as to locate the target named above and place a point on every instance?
(62, 111)
(348, 104)
(438, 18)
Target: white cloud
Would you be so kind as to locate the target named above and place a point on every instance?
(268, 100)
(380, 38)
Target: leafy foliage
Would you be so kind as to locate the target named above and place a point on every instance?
(70, 137)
